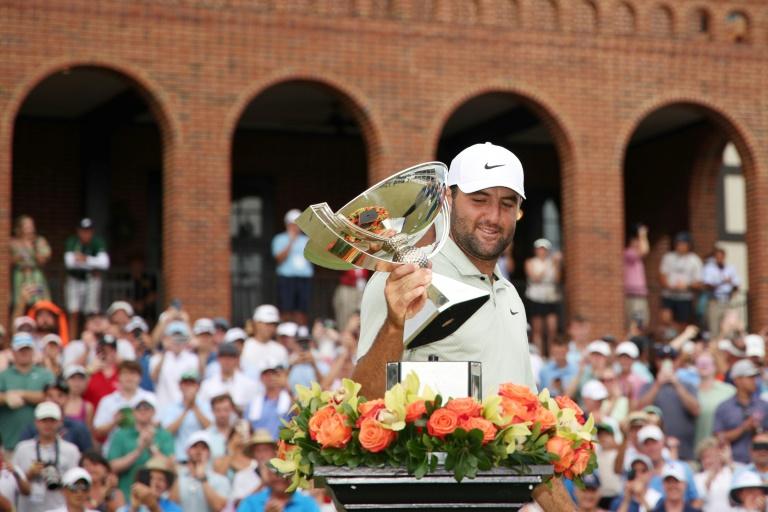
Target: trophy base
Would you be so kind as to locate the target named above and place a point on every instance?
(450, 304)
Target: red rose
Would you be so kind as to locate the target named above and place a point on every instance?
(565, 402)
(415, 411)
(442, 422)
(374, 437)
(485, 426)
(465, 407)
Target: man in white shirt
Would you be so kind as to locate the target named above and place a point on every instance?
(262, 351)
(722, 281)
(109, 413)
(680, 276)
(230, 380)
(167, 367)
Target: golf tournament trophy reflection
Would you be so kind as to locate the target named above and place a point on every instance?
(387, 225)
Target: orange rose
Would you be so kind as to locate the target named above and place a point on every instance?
(415, 411)
(334, 432)
(565, 402)
(485, 426)
(564, 450)
(442, 422)
(370, 408)
(374, 437)
(546, 418)
(465, 407)
(515, 411)
(522, 394)
(317, 420)
(581, 458)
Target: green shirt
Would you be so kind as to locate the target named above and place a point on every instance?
(495, 335)
(708, 402)
(13, 421)
(124, 441)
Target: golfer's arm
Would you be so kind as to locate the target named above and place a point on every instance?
(371, 371)
(554, 498)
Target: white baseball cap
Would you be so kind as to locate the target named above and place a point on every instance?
(650, 432)
(235, 334)
(75, 369)
(542, 243)
(74, 475)
(50, 338)
(204, 326)
(291, 216)
(594, 390)
(600, 347)
(627, 348)
(482, 166)
(755, 345)
(47, 410)
(674, 470)
(200, 436)
(266, 313)
(135, 323)
(287, 329)
(120, 305)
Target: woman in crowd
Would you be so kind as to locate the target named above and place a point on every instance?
(713, 482)
(236, 458)
(543, 292)
(77, 408)
(29, 253)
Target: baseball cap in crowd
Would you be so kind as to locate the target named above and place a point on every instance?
(200, 436)
(204, 326)
(228, 349)
(683, 236)
(26, 323)
(120, 305)
(266, 313)
(639, 457)
(605, 427)
(653, 410)
(291, 216)
(177, 330)
(591, 481)
(650, 432)
(190, 375)
(674, 470)
(746, 479)
(302, 331)
(234, 334)
(47, 410)
(594, 390)
(50, 338)
(727, 345)
(74, 475)
(85, 223)
(273, 368)
(148, 399)
(221, 323)
(637, 418)
(744, 368)
(287, 329)
(136, 323)
(627, 348)
(599, 347)
(75, 369)
(542, 243)
(22, 340)
(108, 341)
(482, 166)
(755, 345)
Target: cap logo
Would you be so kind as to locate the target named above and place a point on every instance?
(493, 166)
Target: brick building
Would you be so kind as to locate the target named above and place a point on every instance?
(187, 127)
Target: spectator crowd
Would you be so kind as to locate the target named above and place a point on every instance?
(111, 411)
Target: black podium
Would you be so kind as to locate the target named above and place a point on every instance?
(394, 490)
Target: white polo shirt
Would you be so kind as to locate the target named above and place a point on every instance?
(167, 387)
(496, 335)
(257, 355)
(113, 402)
(241, 388)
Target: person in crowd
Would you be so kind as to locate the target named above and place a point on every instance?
(174, 313)
(119, 314)
(349, 294)
(598, 355)
(680, 275)
(86, 259)
(557, 373)
(235, 459)
(49, 319)
(593, 395)
(224, 415)
(115, 409)
(748, 492)
(261, 448)
(77, 407)
(711, 393)
(713, 482)
(150, 492)
(273, 404)
(630, 380)
(104, 495)
(222, 326)
(261, 350)
(104, 372)
(275, 497)
(230, 379)
(543, 292)
(29, 254)
(306, 367)
(638, 495)
(607, 450)
(294, 271)
(143, 295)
(133, 444)
(75, 487)
(199, 488)
(758, 452)
(189, 415)
(676, 400)
(203, 343)
(21, 389)
(167, 366)
(721, 282)
(343, 366)
(137, 334)
(13, 482)
(588, 497)
(675, 481)
(630, 446)
(70, 430)
(739, 417)
(651, 440)
(616, 405)
(50, 354)
(635, 284)
(44, 460)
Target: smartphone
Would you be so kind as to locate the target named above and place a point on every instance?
(304, 344)
(176, 304)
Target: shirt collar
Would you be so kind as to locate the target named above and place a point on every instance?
(463, 264)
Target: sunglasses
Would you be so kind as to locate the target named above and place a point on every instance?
(79, 487)
(760, 446)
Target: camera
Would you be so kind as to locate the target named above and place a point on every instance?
(51, 476)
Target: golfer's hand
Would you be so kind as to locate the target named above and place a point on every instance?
(406, 292)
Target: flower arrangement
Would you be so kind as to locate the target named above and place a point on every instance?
(410, 426)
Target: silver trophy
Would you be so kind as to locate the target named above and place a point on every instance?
(402, 219)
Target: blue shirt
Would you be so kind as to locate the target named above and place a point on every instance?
(298, 503)
(550, 372)
(730, 414)
(270, 419)
(188, 426)
(165, 504)
(295, 264)
(146, 376)
(71, 430)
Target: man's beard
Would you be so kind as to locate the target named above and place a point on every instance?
(462, 234)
